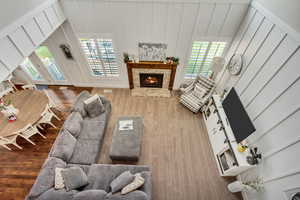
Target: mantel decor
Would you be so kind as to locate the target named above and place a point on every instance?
(151, 66)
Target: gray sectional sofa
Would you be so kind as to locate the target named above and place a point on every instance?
(78, 144)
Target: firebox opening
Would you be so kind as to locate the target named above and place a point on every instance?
(151, 80)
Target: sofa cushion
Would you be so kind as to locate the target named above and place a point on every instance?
(121, 181)
(74, 123)
(135, 195)
(91, 195)
(93, 130)
(74, 178)
(45, 179)
(64, 146)
(53, 194)
(79, 105)
(100, 175)
(94, 106)
(85, 152)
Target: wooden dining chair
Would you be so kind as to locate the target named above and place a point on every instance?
(4, 141)
(46, 117)
(28, 131)
(51, 103)
(29, 87)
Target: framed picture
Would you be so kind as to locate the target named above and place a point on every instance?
(152, 51)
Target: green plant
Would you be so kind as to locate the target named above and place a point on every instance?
(257, 184)
(126, 57)
(173, 59)
(4, 104)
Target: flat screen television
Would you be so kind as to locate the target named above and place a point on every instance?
(237, 116)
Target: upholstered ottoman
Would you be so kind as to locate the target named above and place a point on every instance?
(126, 141)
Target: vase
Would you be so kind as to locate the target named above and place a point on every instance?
(236, 186)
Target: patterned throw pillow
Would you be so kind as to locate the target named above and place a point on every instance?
(58, 181)
(137, 183)
(199, 91)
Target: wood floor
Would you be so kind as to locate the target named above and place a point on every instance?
(175, 145)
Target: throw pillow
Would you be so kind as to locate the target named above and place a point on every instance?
(74, 177)
(121, 181)
(58, 181)
(94, 106)
(137, 183)
(199, 91)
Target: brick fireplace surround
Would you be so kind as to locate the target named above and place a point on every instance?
(135, 69)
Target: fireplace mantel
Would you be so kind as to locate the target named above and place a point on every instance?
(151, 65)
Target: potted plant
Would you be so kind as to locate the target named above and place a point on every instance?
(247, 186)
(126, 57)
(8, 110)
(171, 60)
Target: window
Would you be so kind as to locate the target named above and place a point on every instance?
(48, 60)
(100, 56)
(30, 69)
(201, 57)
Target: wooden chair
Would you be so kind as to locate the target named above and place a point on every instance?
(28, 131)
(4, 141)
(29, 87)
(9, 80)
(51, 103)
(47, 116)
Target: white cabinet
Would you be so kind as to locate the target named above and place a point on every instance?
(229, 161)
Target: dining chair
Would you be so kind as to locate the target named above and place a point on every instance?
(28, 131)
(4, 141)
(6, 92)
(29, 87)
(9, 80)
(51, 103)
(46, 117)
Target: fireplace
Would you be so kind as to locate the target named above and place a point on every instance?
(151, 80)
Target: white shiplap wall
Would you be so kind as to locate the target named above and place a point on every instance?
(176, 23)
(269, 88)
(20, 38)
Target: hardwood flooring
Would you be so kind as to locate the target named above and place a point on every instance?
(175, 145)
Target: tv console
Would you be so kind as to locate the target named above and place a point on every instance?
(229, 160)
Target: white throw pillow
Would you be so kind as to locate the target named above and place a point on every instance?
(137, 182)
(92, 98)
(199, 91)
(58, 181)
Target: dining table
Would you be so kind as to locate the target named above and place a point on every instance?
(30, 103)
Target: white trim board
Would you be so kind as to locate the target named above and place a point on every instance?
(276, 20)
(19, 22)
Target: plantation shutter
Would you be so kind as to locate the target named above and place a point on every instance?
(100, 56)
(201, 57)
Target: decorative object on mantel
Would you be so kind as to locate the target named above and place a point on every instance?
(126, 57)
(152, 51)
(8, 110)
(255, 185)
(171, 60)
